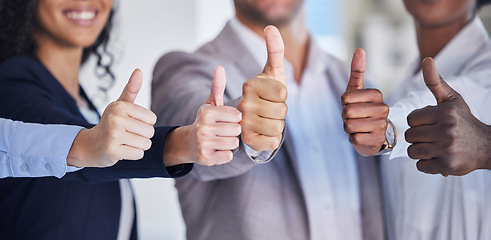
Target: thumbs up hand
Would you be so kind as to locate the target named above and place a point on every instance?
(364, 112)
(446, 138)
(263, 99)
(213, 135)
(123, 132)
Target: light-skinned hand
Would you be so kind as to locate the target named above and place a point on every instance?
(123, 132)
(214, 134)
(263, 102)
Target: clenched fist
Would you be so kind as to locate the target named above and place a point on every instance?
(263, 99)
(364, 111)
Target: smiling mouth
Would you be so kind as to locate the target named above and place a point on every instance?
(82, 17)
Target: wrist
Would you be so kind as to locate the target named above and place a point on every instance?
(176, 147)
(77, 155)
(487, 149)
(390, 138)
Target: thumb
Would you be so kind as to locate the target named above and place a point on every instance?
(358, 67)
(434, 82)
(217, 87)
(276, 54)
(133, 86)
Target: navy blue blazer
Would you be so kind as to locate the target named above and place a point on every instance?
(82, 205)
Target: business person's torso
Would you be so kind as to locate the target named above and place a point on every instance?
(432, 207)
(270, 201)
(50, 208)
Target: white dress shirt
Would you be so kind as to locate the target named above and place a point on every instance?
(127, 215)
(431, 207)
(327, 169)
(35, 150)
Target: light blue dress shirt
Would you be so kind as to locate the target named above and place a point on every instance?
(35, 150)
(327, 171)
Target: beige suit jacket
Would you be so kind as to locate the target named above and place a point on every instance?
(244, 199)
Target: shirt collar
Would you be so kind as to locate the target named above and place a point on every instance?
(467, 43)
(255, 44)
(316, 59)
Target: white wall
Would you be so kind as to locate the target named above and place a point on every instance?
(146, 29)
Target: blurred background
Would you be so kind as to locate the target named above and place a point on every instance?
(146, 29)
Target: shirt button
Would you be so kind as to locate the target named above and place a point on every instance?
(23, 168)
(48, 166)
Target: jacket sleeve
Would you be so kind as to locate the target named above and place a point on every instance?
(181, 84)
(24, 98)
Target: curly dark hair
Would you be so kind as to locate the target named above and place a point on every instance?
(17, 26)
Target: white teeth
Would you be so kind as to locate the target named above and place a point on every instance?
(81, 15)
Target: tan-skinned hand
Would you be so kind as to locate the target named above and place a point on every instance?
(263, 102)
(364, 111)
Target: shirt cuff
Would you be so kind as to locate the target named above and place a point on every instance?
(40, 150)
(256, 156)
(398, 118)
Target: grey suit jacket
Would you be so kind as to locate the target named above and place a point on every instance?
(244, 199)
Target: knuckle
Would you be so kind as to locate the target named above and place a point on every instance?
(283, 110)
(152, 118)
(151, 131)
(448, 131)
(376, 93)
(347, 111)
(238, 129)
(113, 119)
(201, 132)
(139, 154)
(248, 86)
(206, 114)
(385, 110)
(421, 167)
(345, 98)
(279, 127)
(118, 106)
(246, 123)
(147, 144)
(382, 125)
(348, 126)
(247, 138)
(282, 92)
(355, 139)
(411, 152)
(245, 106)
(238, 115)
(274, 143)
(236, 142)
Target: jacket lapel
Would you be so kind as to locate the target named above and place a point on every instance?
(229, 47)
(368, 178)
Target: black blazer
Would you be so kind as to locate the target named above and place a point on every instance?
(82, 205)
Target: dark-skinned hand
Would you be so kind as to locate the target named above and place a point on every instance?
(446, 138)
